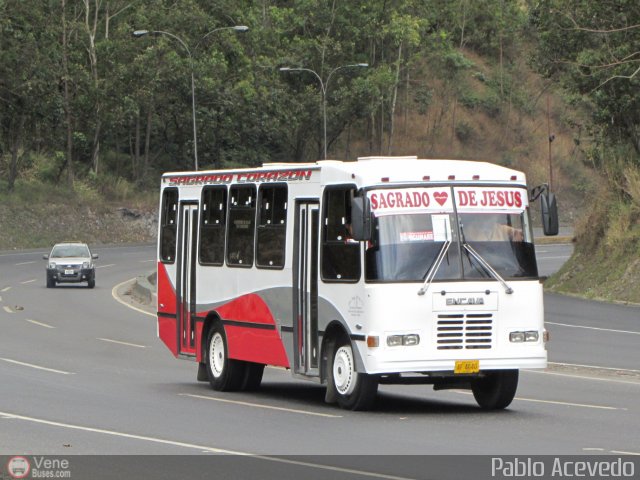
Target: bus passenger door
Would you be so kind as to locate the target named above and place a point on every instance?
(186, 272)
(305, 286)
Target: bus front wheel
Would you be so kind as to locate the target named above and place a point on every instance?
(496, 389)
(351, 389)
(224, 374)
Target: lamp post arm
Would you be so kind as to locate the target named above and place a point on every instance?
(175, 37)
(238, 28)
(297, 69)
(355, 65)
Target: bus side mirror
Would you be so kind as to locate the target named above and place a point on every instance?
(360, 219)
(549, 209)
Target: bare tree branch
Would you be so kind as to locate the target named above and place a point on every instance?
(576, 26)
(627, 77)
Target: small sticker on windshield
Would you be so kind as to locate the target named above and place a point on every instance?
(426, 236)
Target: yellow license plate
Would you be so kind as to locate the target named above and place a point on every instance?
(467, 366)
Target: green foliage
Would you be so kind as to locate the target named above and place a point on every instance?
(592, 47)
(489, 103)
(130, 98)
(464, 132)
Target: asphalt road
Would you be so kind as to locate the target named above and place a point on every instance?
(83, 374)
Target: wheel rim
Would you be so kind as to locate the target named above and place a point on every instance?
(216, 355)
(344, 372)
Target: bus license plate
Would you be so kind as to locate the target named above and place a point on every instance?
(467, 366)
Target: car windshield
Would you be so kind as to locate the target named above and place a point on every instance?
(67, 251)
(412, 225)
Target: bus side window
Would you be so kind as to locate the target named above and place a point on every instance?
(168, 229)
(242, 219)
(340, 253)
(213, 225)
(272, 228)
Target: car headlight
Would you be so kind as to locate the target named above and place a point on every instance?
(86, 265)
(52, 265)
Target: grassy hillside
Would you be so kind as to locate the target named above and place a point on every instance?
(499, 116)
(38, 215)
(606, 263)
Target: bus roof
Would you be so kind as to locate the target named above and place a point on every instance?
(380, 171)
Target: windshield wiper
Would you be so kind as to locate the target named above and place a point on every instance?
(434, 268)
(487, 267)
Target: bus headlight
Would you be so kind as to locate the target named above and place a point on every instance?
(406, 340)
(531, 336)
(411, 339)
(516, 337)
(528, 336)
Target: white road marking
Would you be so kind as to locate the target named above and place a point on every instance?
(202, 448)
(592, 328)
(29, 281)
(39, 323)
(37, 367)
(0, 298)
(5, 289)
(555, 258)
(115, 297)
(7, 309)
(568, 404)
(146, 261)
(25, 263)
(584, 377)
(555, 402)
(122, 343)
(594, 366)
(105, 266)
(593, 449)
(618, 452)
(258, 405)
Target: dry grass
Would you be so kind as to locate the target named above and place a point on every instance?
(516, 135)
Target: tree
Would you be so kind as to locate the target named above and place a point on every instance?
(594, 49)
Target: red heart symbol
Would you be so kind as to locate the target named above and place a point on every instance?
(441, 197)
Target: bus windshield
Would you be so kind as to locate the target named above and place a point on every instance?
(407, 237)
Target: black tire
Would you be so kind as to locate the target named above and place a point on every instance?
(252, 376)
(350, 389)
(51, 283)
(496, 389)
(91, 283)
(225, 374)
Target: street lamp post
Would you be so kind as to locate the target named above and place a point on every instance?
(324, 85)
(142, 33)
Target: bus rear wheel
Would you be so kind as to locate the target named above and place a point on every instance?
(351, 389)
(496, 390)
(225, 374)
(252, 376)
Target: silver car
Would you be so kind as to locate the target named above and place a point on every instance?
(71, 262)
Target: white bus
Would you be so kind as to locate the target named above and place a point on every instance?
(385, 270)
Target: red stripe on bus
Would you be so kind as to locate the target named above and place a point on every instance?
(166, 291)
(253, 344)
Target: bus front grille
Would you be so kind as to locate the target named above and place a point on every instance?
(470, 331)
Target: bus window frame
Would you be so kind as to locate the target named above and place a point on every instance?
(228, 229)
(163, 225)
(261, 188)
(201, 225)
(323, 231)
